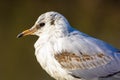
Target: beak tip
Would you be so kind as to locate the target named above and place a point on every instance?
(19, 35)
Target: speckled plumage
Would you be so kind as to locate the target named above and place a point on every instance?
(68, 54)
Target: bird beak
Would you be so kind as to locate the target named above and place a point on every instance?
(27, 32)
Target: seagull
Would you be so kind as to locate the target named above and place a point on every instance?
(66, 53)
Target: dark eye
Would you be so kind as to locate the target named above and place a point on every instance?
(42, 24)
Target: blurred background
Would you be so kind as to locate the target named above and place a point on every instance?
(98, 18)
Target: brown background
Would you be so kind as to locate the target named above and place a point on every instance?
(98, 18)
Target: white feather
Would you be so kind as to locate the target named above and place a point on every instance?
(59, 37)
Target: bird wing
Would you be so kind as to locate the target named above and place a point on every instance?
(81, 51)
(71, 61)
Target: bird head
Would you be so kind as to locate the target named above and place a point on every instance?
(48, 23)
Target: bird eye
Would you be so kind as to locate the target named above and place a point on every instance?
(42, 24)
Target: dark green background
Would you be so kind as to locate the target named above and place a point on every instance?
(99, 18)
